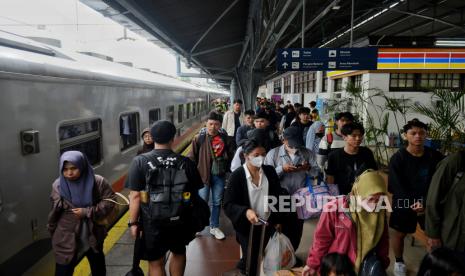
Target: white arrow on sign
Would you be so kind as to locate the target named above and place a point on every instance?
(285, 53)
(285, 64)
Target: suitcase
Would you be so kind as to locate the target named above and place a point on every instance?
(259, 260)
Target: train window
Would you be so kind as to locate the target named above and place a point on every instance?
(180, 112)
(129, 130)
(188, 110)
(194, 109)
(84, 136)
(170, 113)
(154, 115)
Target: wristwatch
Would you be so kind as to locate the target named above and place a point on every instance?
(132, 223)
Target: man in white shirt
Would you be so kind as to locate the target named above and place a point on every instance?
(233, 119)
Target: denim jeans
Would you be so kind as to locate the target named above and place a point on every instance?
(217, 188)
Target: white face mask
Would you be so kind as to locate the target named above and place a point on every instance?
(257, 161)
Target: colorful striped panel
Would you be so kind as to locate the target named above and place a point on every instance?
(421, 60)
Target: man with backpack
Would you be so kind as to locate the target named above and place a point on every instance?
(332, 140)
(212, 152)
(410, 173)
(163, 188)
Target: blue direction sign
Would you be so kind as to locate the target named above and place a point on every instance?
(315, 59)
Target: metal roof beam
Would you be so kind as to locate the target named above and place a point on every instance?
(270, 28)
(308, 26)
(216, 49)
(283, 29)
(142, 17)
(219, 69)
(462, 28)
(213, 25)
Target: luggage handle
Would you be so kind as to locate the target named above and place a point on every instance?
(310, 185)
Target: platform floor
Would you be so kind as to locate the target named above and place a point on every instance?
(206, 256)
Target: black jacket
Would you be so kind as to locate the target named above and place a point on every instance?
(236, 198)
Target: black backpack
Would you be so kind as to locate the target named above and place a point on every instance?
(166, 181)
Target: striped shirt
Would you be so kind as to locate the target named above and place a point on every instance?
(325, 148)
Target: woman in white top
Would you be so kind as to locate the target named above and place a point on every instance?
(250, 187)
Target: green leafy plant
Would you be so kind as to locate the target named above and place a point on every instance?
(446, 112)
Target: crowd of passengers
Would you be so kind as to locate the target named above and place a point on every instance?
(242, 157)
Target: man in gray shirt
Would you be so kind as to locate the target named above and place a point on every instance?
(295, 165)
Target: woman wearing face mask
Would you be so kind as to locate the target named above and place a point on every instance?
(76, 204)
(245, 198)
(147, 140)
(354, 225)
(314, 135)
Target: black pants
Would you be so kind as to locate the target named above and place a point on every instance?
(243, 240)
(293, 228)
(96, 261)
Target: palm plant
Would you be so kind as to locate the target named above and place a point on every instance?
(446, 112)
(397, 106)
(376, 125)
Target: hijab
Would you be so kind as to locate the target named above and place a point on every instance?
(78, 192)
(369, 225)
(312, 142)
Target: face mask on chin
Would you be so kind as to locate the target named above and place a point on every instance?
(257, 161)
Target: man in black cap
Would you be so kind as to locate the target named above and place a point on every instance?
(162, 231)
(262, 120)
(293, 163)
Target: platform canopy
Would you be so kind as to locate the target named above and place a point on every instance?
(234, 41)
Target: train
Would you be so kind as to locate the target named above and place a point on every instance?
(53, 100)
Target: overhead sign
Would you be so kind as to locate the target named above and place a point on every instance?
(316, 59)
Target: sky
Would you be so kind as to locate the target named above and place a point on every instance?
(80, 28)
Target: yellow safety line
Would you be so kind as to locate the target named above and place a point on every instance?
(115, 233)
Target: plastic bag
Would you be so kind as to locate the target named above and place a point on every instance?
(279, 254)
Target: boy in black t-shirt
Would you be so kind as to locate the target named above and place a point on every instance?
(345, 164)
(410, 173)
(173, 238)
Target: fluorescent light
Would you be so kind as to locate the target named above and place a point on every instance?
(452, 43)
(361, 23)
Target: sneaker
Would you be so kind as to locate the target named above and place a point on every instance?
(400, 269)
(217, 233)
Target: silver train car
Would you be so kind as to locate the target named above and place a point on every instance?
(51, 101)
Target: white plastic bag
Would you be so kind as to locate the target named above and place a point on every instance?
(279, 254)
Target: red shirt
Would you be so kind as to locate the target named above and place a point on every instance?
(217, 145)
(335, 232)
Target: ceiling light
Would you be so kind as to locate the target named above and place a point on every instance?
(336, 7)
(450, 43)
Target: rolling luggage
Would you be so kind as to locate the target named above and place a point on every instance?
(249, 261)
